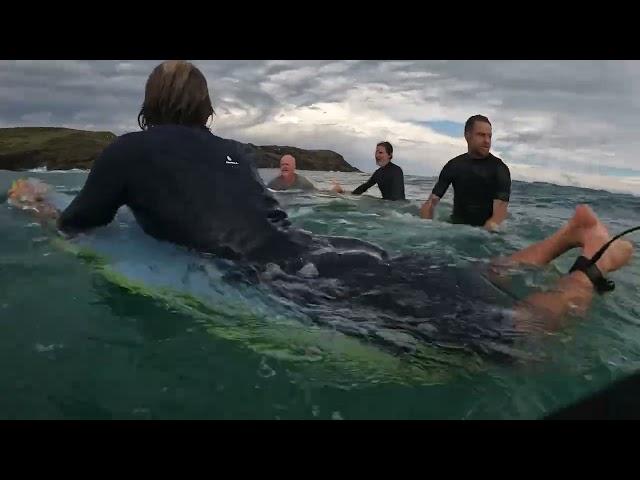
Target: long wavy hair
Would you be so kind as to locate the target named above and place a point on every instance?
(176, 93)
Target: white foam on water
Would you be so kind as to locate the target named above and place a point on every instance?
(71, 170)
(40, 348)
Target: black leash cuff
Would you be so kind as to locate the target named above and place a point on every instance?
(589, 268)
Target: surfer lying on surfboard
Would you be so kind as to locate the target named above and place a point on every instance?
(187, 186)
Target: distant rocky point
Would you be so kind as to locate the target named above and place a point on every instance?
(326, 160)
(26, 148)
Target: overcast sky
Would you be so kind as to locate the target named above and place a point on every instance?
(567, 122)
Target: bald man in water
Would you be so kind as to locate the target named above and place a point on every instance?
(288, 178)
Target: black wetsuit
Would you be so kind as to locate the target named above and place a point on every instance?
(187, 186)
(476, 183)
(390, 180)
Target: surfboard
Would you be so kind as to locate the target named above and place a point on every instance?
(195, 286)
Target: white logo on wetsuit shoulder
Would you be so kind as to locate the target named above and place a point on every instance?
(230, 162)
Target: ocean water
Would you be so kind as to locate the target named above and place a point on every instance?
(146, 330)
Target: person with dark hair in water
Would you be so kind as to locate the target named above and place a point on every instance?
(187, 186)
(389, 176)
(481, 181)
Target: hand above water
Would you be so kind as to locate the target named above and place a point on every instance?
(29, 194)
(336, 186)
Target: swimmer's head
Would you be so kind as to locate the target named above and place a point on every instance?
(477, 133)
(287, 165)
(176, 93)
(384, 153)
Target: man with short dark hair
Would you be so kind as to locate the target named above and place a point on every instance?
(481, 181)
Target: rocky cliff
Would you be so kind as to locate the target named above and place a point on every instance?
(25, 148)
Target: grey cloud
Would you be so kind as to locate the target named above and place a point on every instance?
(591, 107)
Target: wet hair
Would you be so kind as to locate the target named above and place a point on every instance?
(468, 126)
(387, 146)
(176, 93)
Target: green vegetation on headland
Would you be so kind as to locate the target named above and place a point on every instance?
(25, 148)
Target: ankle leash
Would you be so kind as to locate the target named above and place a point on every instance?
(589, 268)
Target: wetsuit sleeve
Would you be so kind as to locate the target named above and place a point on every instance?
(444, 180)
(503, 187)
(397, 185)
(101, 195)
(367, 185)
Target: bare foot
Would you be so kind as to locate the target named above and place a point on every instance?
(594, 236)
(583, 221)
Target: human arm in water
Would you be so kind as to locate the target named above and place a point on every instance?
(337, 188)
(101, 195)
(365, 186)
(34, 195)
(501, 198)
(429, 207)
(440, 188)
(95, 205)
(499, 215)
